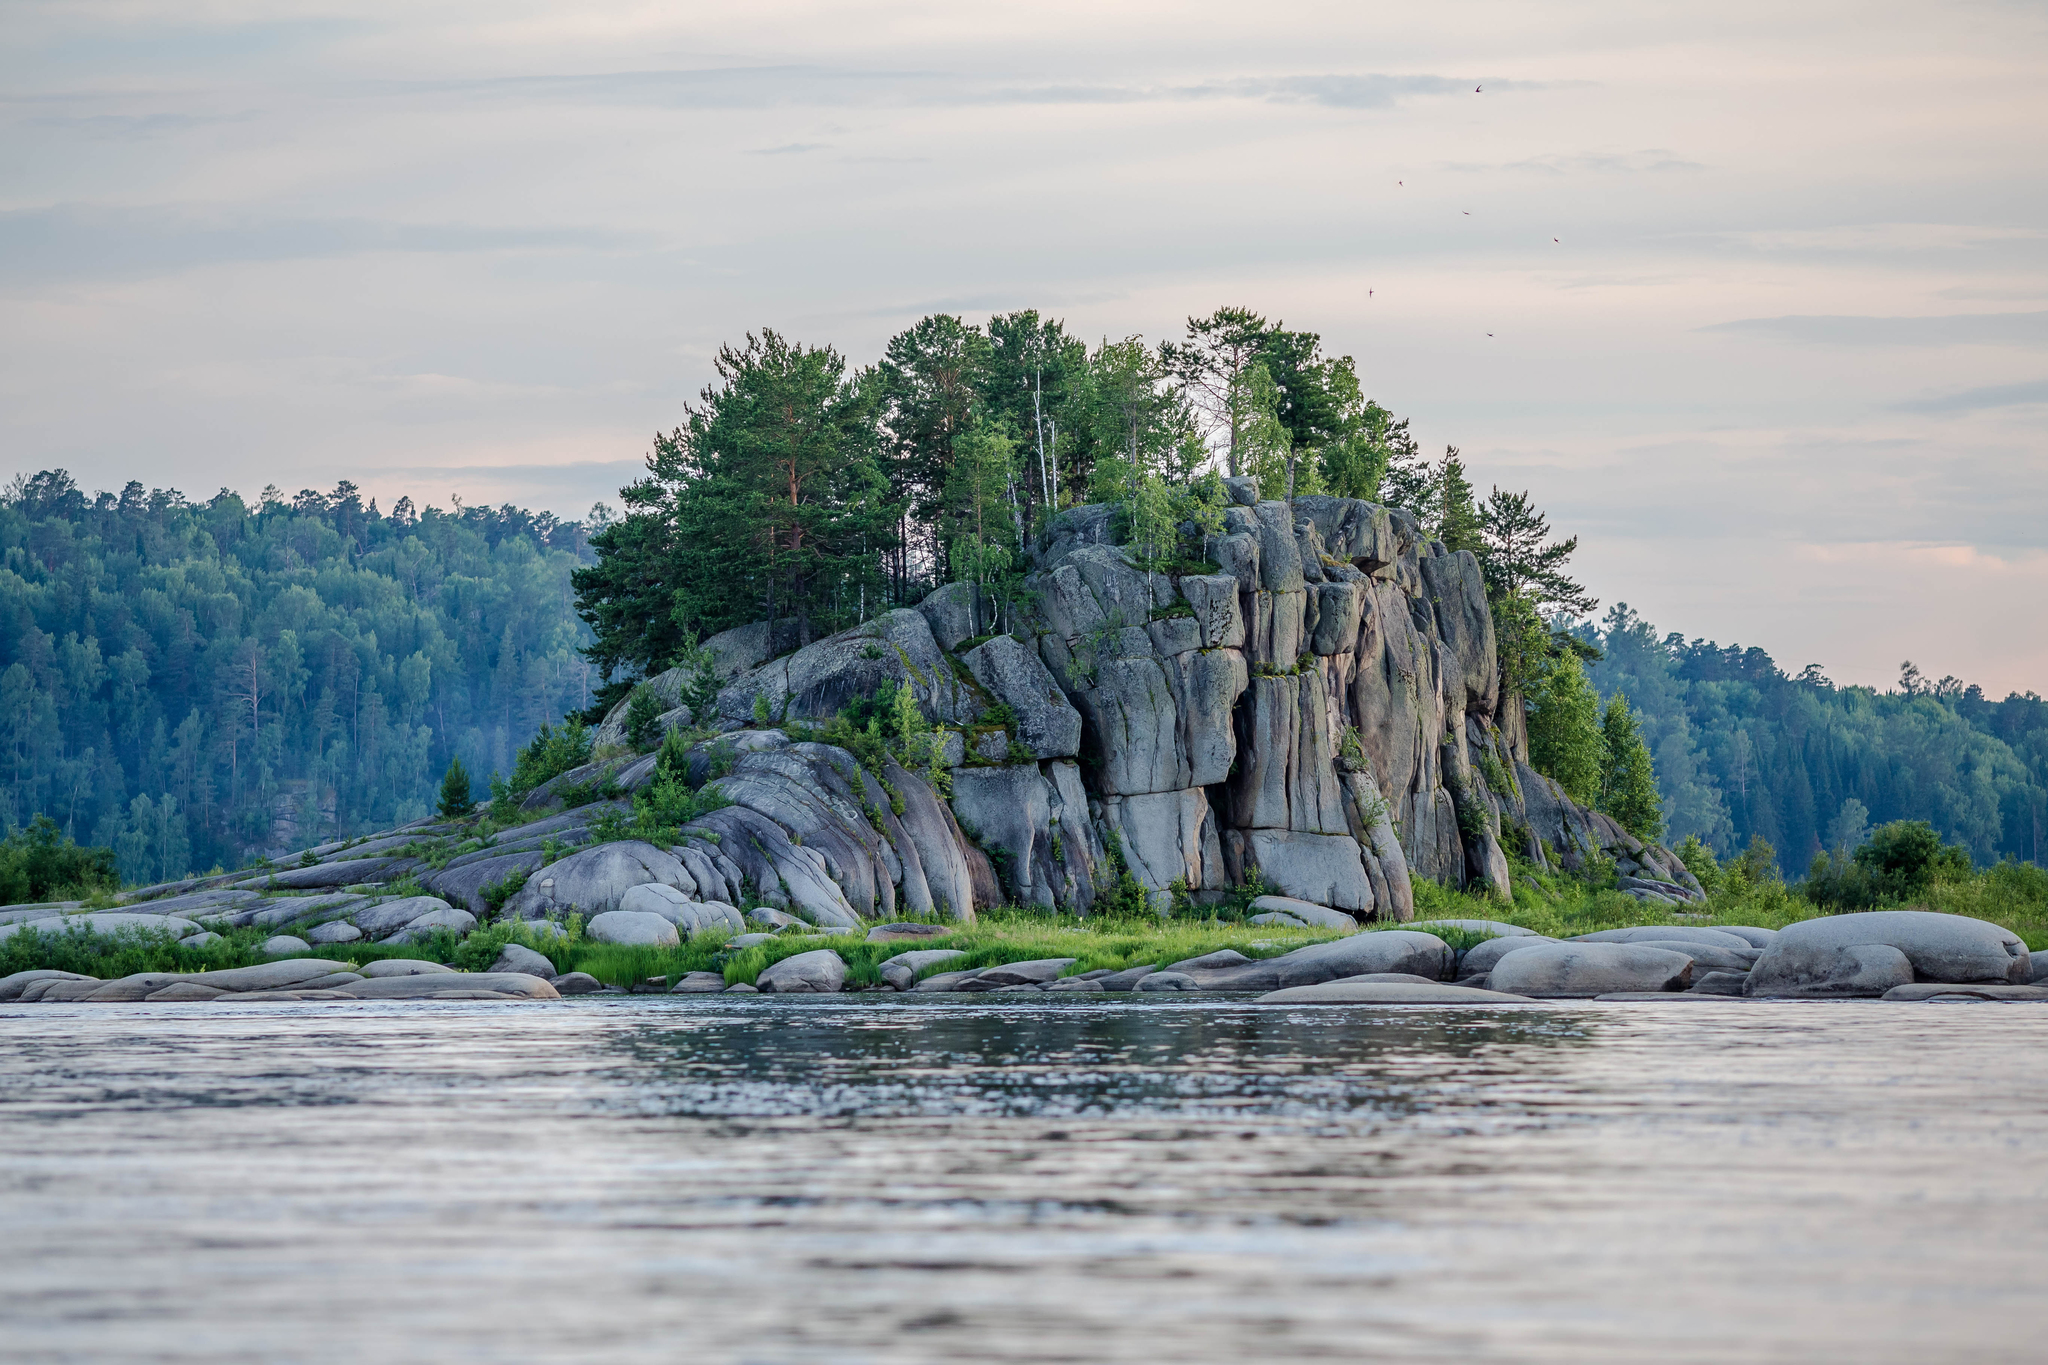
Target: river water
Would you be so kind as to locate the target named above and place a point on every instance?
(905, 1179)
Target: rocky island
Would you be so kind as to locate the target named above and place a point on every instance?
(1318, 719)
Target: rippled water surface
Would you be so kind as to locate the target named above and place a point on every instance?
(700, 1179)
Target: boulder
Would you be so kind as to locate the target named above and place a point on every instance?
(11, 987)
(1868, 954)
(1474, 926)
(689, 916)
(184, 992)
(1386, 950)
(1167, 981)
(1033, 973)
(1717, 983)
(515, 957)
(771, 919)
(1755, 937)
(199, 940)
(819, 972)
(404, 966)
(1651, 933)
(1323, 869)
(632, 927)
(820, 679)
(1013, 673)
(334, 931)
(1584, 970)
(447, 917)
(1074, 983)
(1321, 916)
(1274, 917)
(284, 945)
(453, 986)
(901, 971)
(1935, 990)
(1707, 957)
(1482, 958)
(889, 933)
(591, 881)
(106, 922)
(698, 983)
(578, 983)
(945, 981)
(387, 918)
(1366, 991)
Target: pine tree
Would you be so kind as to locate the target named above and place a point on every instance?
(1564, 730)
(1628, 780)
(1457, 522)
(455, 796)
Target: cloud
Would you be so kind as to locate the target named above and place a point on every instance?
(1977, 400)
(1953, 329)
(756, 87)
(77, 241)
(1651, 160)
(788, 148)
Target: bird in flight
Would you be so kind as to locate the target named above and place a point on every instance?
(1489, 334)
(1553, 239)
(1466, 212)
(1477, 88)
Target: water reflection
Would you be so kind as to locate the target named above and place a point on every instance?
(907, 1180)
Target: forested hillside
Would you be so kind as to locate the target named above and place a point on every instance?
(1745, 750)
(188, 683)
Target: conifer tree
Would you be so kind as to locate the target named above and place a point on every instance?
(1564, 730)
(455, 794)
(1628, 781)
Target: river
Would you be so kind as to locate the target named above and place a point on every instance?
(875, 1178)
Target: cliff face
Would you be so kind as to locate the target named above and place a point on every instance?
(1324, 711)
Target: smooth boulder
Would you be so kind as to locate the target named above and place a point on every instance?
(284, 945)
(1385, 950)
(1870, 953)
(818, 972)
(334, 931)
(901, 971)
(1308, 912)
(1668, 933)
(632, 927)
(517, 957)
(1367, 991)
(593, 881)
(1482, 958)
(1584, 970)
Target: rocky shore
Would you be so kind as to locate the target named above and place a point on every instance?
(1907, 956)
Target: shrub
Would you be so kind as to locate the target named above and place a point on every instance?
(40, 863)
(643, 718)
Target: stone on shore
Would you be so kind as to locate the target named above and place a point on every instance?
(1669, 933)
(1308, 912)
(1706, 957)
(403, 966)
(387, 918)
(284, 945)
(889, 933)
(1369, 991)
(1385, 950)
(632, 927)
(452, 986)
(818, 972)
(1127, 979)
(1482, 958)
(334, 931)
(689, 916)
(593, 881)
(578, 983)
(1168, 981)
(454, 920)
(699, 983)
(11, 987)
(1931, 990)
(1868, 954)
(1033, 973)
(1583, 970)
(1075, 983)
(901, 971)
(518, 958)
(1497, 928)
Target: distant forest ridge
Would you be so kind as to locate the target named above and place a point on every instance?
(1744, 750)
(191, 682)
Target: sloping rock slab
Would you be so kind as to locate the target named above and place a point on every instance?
(337, 874)
(1929, 990)
(463, 883)
(591, 881)
(452, 986)
(1360, 991)
(1308, 912)
(901, 971)
(1584, 970)
(1865, 954)
(1387, 950)
(1482, 958)
(1670, 933)
(1474, 926)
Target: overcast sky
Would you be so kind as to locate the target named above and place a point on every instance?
(1753, 297)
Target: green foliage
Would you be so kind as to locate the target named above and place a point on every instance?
(762, 715)
(1628, 781)
(456, 801)
(1565, 741)
(1700, 861)
(1745, 749)
(243, 667)
(643, 718)
(552, 751)
(41, 863)
(1899, 862)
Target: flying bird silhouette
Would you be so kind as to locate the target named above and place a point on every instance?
(1475, 90)
(1466, 212)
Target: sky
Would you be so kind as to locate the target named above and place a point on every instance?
(1751, 297)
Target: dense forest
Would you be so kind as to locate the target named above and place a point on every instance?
(189, 683)
(186, 683)
(1743, 750)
